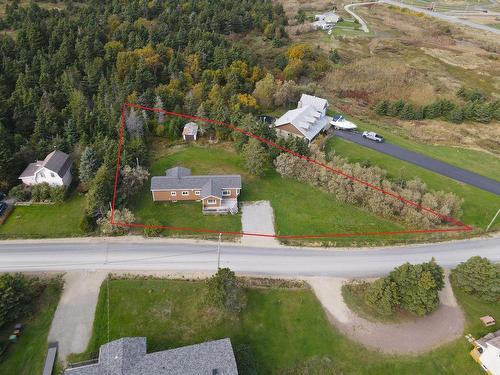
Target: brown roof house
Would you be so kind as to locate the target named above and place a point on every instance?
(128, 356)
(307, 121)
(55, 170)
(218, 193)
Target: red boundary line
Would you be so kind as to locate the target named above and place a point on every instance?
(459, 226)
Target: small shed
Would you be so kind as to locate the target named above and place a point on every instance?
(487, 320)
(190, 132)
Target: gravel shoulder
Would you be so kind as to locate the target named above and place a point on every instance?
(442, 326)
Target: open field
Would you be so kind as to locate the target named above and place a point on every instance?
(478, 207)
(27, 356)
(45, 221)
(318, 214)
(281, 331)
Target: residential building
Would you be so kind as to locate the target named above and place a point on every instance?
(128, 356)
(190, 131)
(486, 352)
(306, 121)
(217, 193)
(55, 170)
(326, 21)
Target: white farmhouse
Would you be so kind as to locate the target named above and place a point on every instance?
(487, 352)
(307, 121)
(55, 170)
(326, 20)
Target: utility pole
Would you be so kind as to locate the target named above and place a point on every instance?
(218, 252)
(492, 220)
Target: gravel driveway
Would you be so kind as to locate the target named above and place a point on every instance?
(445, 169)
(74, 317)
(258, 217)
(443, 325)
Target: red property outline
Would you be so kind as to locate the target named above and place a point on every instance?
(459, 226)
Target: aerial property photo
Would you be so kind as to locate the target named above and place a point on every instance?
(249, 187)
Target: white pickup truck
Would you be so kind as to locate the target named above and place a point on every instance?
(340, 123)
(373, 136)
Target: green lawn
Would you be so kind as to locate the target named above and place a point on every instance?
(27, 356)
(281, 331)
(299, 208)
(478, 207)
(45, 221)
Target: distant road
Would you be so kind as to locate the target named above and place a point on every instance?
(361, 21)
(137, 254)
(444, 17)
(426, 162)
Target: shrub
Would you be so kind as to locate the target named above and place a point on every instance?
(41, 192)
(17, 292)
(87, 224)
(480, 277)
(152, 232)
(382, 107)
(382, 295)
(124, 216)
(57, 194)
(224, 291)
(456, 116)
(21, 193)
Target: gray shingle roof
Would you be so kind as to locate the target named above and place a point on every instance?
(31, 169)
(128, 356)
(58, 162)
(180, 178)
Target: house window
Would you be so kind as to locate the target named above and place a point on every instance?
(52, 175)
(173, 193)
(185, 193)
(197, 192)
(210, 201)
(42, 175)
(226, 192)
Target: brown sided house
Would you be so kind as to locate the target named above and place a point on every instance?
(218, 193)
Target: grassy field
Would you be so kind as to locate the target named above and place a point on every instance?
(320, 213)
(27, 356)
(281, 331)
(478, 208)
(45, 221)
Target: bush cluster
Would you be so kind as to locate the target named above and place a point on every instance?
(346, 190)
(474, 108)
(17, 292)
(480, 277)
(38, 193)
(409, 287)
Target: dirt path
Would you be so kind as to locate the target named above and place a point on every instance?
(442, 326)
(74, 317)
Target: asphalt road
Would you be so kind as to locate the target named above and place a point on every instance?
(426, 162)
(136, 254)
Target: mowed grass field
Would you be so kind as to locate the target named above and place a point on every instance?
(281, 331)
(478, 207)
(299, 208)
(46, 220)
(27, 356)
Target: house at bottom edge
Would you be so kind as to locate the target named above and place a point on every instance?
(486, 352)
(128, 356)
(217, 193)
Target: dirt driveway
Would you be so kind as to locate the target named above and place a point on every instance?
(443, 325)
(258, 217)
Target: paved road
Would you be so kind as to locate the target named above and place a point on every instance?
(444, 17)
(361, 21)
(135, 254)
(426, 162)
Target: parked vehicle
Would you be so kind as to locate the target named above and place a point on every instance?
(340, 123)
(2, 197)
(373, 136)
(3, 208)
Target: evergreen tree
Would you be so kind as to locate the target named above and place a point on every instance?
(89, 164)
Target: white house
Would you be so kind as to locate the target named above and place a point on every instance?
(55, 170)
(190, 131)
(306, 121)
(487, 353)
(326, 20)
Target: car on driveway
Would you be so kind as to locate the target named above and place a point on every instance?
(3, 208)
(2, 197)
(373, 136)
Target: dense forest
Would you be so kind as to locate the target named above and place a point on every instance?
(66, 73)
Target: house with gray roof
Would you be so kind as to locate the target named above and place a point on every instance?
(55, 170)
(128, 356)
(306, 121)
(486, 352)
(217, 193)
(326, 21)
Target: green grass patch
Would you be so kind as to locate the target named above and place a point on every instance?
(478, 207)
(27, 356)
(46, 220)
(300, 209)
(281, 331)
